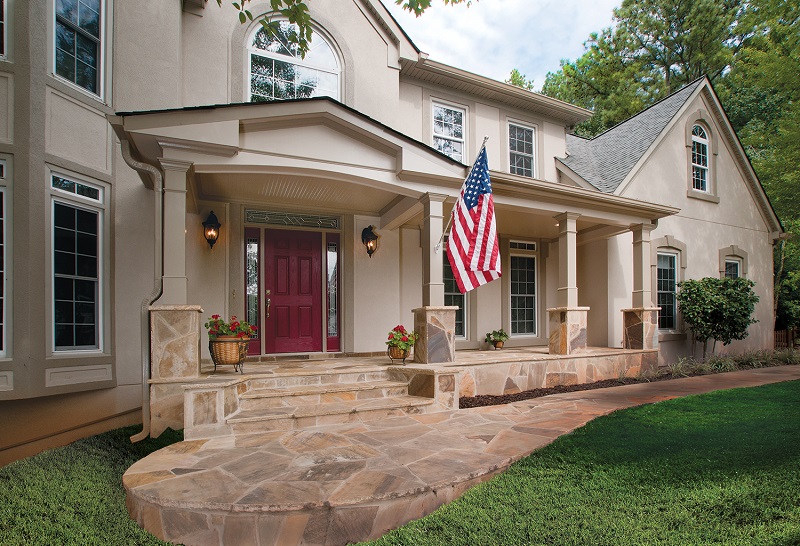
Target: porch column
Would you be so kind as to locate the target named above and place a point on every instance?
(434, 322)
(432, 272)
(567, 320)
(640, 322)
(175, 281)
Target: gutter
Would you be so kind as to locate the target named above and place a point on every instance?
(149, 299)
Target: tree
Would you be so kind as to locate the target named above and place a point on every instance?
(520, 80)
(718, 309)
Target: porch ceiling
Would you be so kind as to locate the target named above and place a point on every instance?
(292, 190)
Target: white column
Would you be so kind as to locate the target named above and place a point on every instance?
(642, 277)
(567, 260)
(432, 274)
(175, 291)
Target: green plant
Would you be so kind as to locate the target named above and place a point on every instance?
(400, 337)
(718, 309)
(496, 335)
(219, 327)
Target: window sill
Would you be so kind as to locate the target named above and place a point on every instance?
(671, 336)
(701, 195)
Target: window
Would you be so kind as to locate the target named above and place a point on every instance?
(453, 297)
(77, 218)
(666, 280)
(3, 258)
(699, 159)
(523, 295)
(733, 269)
(520, 150)
(78, 42)
(278, 71)
(2, 29)
(448, 130)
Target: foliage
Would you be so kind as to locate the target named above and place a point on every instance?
(496, 335)
(719, 309)
(400, 337)
(520, 80)
(217, 326)
(73, 495)
(636, 477)
(787, 278)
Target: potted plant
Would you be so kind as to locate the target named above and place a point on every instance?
(228, 341)
(497, 338)
(400, 342)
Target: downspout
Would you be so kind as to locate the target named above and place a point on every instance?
(149, 299)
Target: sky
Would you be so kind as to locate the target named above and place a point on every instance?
(491, 37)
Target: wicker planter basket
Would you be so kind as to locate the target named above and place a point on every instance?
(229, 351)
(396, 353)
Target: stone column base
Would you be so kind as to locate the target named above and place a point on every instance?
(640, 328)
(567, 330)
(175, 341)
(436, 327)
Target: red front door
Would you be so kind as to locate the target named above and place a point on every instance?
(292, 291)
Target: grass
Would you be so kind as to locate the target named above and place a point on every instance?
(719, 468)
(74, 494)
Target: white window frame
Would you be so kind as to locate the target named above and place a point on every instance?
(465, 309)
(98, 206)
(101, 56)
(520, 253)
(733, 261)
(706, 169)
(251, 50)
(676, 263)
(434, 135)
(4, 33)
(528, 127)
(4, 337)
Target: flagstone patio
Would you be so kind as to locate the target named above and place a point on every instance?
(334, 484)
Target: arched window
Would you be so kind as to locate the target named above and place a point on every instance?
(278, 71)
(699, 159)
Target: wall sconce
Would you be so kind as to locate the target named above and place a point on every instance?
(370, 240)
(211, 229)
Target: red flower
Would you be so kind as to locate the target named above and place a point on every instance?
(254, 328)
(391, 336)
(404, 338)
(215, 316)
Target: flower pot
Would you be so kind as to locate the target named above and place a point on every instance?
(228, 351)
(498, 344)
(397, 353)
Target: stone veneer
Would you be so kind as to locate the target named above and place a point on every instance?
(436, 327)
(640, 328)
(567, 330)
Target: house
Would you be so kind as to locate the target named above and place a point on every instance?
(123, 125)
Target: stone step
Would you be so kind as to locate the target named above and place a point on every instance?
(349, 411)
(317, 377)
(304, 395)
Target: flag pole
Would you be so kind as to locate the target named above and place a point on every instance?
(450, 221)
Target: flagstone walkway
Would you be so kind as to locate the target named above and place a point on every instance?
(332, 485)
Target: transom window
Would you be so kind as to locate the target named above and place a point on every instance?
(78, 42)
(448, 130)
(523, 295)
(278, 71)
(699, 159)
(666, 282)
(452, 296)
(77, 265)
(520, 150)
(733, 269)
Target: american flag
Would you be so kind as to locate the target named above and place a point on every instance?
(472, 246)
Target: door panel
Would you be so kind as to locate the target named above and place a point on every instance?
(292, 282)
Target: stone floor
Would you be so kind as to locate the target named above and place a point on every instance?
(337, 484)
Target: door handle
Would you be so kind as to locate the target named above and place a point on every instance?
(267, 303)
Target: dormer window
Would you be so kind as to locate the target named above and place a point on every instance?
(699, 159)
(278, 71)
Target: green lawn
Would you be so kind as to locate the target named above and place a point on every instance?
(720, 468)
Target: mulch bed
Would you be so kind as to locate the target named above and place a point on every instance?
(492, 400)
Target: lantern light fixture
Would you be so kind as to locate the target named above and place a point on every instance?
(370, 240)
(211, 229)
